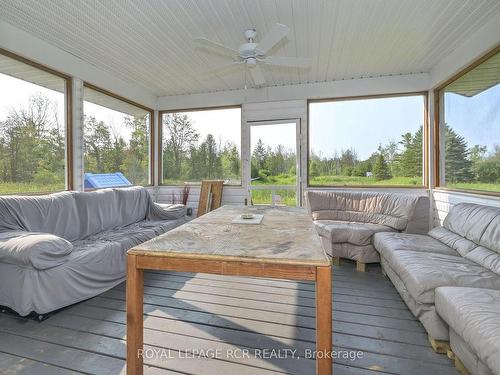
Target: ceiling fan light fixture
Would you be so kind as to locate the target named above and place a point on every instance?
(251, 62)
(254, 55)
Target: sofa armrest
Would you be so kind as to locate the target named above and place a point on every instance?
(317, 200)
(160, 211)
(38, 250)
(419, 221)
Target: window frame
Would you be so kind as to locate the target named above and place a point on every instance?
(68, 118)
(197, 109)
(152, 140)
(425, 141)
(437, 131)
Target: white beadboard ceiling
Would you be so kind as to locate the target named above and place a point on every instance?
(149, 42)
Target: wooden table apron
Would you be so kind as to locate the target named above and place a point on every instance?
(135, 293)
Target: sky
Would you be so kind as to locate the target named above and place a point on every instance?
(481, 110)
(14, 94)
(362, 124)
(223, 124)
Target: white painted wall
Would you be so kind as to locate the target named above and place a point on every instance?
(443, 201)
(335, 89)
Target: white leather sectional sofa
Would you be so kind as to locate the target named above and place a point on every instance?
(450, 280)
(346, 221)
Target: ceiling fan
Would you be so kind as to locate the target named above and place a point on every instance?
(253, 55)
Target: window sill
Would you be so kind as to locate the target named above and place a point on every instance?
(476, 193)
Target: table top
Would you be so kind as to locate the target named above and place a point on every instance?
(286, 235)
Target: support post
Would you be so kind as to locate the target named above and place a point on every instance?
(135, 296)
(324, 362)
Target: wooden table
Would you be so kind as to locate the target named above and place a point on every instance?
(285, 246)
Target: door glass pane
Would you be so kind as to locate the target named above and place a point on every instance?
(281, 197)
(273, 154)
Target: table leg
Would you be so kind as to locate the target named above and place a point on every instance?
(135, 295)
(324, 365)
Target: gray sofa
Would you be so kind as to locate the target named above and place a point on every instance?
(464, 252)
(59, 249)
(346, 221)
(473, 316)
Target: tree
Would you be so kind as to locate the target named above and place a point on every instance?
(98, 144)
(260, 154)
(410, 160)
(381, 170)
(32, 143)
(314, 169)
(458, 167)
(137, 158)
(179, 137)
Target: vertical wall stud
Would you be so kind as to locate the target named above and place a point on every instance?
(77, 142)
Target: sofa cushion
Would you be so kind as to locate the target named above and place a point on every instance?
(361, 253)
(164, 211)
(98, 211)
(128, 237)
(52, 213)
(461, 244)
(485, 257)
(474, 314)
(491, 236)
(472, 221)
(393, 210)
(37, 250)
(351, 232)
(390, 242)
(423, 272)
(132, 204)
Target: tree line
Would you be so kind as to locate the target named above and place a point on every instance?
(33, 147)
(404, 159)
(109, 152)
(32, 150)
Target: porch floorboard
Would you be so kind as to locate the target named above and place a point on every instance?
(200, 311)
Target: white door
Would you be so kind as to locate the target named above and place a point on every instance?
(273, 175)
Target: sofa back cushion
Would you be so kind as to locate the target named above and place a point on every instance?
(461, 244)
(133, 204)
(53, 213)
(471, 220)
(98, 211)
(479, 227)
(392, 210)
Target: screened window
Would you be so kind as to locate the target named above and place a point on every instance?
(117, 137)
(470, 129)
(32, 129)
(200, 145)
(376, 141)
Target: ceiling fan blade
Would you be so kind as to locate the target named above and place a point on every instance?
(220, 69)
(272, 38)
(295, 62)
(257, 75)
(215, 47)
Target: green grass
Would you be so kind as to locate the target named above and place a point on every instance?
(474, 186)
(355, 180)
(22, 188)
(288, 197)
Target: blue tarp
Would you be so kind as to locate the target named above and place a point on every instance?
(105, 180)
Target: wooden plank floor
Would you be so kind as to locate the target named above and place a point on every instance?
(186, 312)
